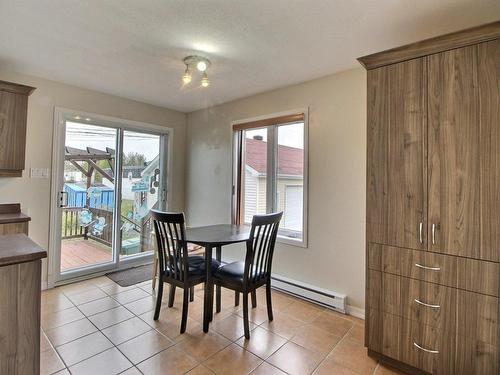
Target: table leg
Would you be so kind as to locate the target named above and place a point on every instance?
(218, 304)
(208, 288)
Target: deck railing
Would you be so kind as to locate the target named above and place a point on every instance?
(73, 228)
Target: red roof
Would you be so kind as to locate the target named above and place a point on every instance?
(290, 159)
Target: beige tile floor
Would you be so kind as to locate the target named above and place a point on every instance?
(97, 327)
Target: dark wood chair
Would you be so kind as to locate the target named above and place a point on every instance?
(177, 268)
(245, 277)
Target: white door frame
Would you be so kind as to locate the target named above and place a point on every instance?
(61, 115)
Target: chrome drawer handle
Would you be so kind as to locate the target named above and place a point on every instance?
(428, 268)
(425, 350)
(427, 304)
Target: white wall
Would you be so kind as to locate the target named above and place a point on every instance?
(34, 194)
(335, 258)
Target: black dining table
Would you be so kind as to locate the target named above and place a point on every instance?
(210, 237)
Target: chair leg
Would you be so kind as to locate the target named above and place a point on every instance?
(171, 296)
(245, 315)
(211, 307)
(191, 294)
(236, 298)
(268, 302)
(159, 296)
(218, 299)
(155, 273)
(254, 299)
(185, 306)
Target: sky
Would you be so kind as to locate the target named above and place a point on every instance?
(288, 135)
(82, 136)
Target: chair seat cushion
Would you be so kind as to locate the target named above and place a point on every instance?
(196, 265)
(232, 271)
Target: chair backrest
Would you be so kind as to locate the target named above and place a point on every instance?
(170, 233)
(260, 247)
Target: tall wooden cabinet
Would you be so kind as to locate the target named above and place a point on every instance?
(433, 204)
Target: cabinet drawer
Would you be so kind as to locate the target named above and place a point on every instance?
(464, 273)
(478, 318)
(431, 304)
(479, 276)
(427, 348)
(476, 357)
(421, 265)
(427, 303)
(418, 345)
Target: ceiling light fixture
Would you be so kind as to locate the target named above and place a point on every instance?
(186, 78)
(205, 82)
(199, 63)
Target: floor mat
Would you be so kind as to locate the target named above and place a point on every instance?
(132, 276)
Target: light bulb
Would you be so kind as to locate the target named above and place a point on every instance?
(186, 78)
(201, 66)
(205, 81)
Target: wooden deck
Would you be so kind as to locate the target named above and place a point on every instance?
(77, 252)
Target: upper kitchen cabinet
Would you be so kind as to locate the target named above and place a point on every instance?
(454, 153)
(397, 166)
(13, 113)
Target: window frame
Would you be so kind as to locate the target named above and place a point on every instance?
(237, 167)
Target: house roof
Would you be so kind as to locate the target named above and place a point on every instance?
(290, 159)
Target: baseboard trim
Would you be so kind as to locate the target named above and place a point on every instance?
(44, 285)
(356, 312)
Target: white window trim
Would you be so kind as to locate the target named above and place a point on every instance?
(305, 214)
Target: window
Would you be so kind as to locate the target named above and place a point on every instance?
(271, 173)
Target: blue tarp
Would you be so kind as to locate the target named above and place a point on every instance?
(100, 196)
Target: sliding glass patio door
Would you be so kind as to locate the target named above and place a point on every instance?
(110, 177)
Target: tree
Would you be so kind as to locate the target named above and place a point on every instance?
(134, 159)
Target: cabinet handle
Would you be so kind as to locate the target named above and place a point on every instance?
(424, 349)
(428, 268)
(427, 304)
(420, 237)
(433, 233)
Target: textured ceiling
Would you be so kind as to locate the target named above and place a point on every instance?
(134, 48)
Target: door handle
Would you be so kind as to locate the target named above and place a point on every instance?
(63, 199)
(420, 237)
(433, 233)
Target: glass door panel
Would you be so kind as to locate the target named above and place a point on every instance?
(141, 188)
(87, 197)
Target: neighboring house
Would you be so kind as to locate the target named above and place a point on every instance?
(290, 182)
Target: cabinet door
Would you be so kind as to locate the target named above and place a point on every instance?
(396, 163)
(489, 100)
(453, 152)
(13, 108)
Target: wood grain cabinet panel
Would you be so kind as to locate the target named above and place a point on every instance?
(489, 100)
(396, 201)
(479, 317)
(453, 152)
(20, 318)
(12, 228)
(428, 348)
(433, 157)
(13, 116)
(479, 276)
(430, 304)
(421, 265)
